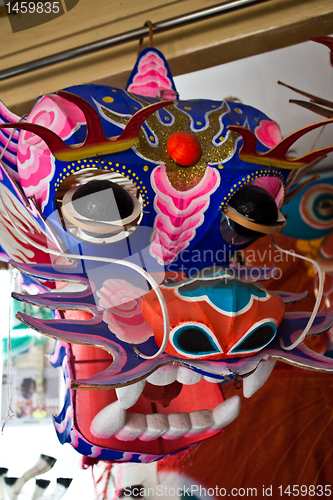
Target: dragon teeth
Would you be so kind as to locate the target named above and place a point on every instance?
(213, 380)
(257, 379)
(113, 421)
(165, 375)
(201, 421)
(129, 394)
(179, 424)
(226, 412)
(157, 426)
(135, 426)
(108, 421)
(188, 377)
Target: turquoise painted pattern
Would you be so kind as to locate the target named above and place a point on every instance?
(228, 296)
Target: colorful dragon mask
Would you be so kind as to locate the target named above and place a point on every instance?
(137, 201)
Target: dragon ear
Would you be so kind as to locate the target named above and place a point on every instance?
(277, 156)
(96, 142)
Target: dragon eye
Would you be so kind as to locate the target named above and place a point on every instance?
(101, 208)
(102, 201)
(253, 211)
(257, 338)
(257, 205)
(194, 340)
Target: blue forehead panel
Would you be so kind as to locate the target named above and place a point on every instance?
(219, 173)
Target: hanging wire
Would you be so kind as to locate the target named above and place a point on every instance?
(8, 142)
(151, 36)
(9, 369)
(23, 118)
(318, 299)
(318, 137)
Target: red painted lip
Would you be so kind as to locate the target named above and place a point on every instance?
(203, 395)
(88, 403)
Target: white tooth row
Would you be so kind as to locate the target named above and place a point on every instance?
(165, 375)
(169, 373)
(113, 420)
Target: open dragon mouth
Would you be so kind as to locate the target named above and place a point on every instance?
(167, 422)
(167, 404)
(172, 408)
(125, 406)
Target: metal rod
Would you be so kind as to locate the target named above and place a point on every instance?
(127, 36)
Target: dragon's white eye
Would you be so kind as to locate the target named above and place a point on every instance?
(102, 200)
(103, 209)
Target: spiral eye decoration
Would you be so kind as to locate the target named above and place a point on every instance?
(184, 148)
(316, 206)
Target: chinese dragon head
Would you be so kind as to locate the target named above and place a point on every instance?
(133, 203)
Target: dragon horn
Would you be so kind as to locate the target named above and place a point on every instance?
(325, 40)
(96, 142)
(314, 98)
(277, 156)
(328, 113)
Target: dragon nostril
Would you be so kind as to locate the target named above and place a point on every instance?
(257, 339)
(257, 205)
(109, 206)
(184, 148)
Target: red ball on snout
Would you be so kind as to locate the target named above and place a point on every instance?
(184, 148)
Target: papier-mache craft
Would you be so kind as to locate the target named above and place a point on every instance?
(134, 202)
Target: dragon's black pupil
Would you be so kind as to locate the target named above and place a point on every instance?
(102, 201)
(194, 341)
(257, 205)
(258, 338)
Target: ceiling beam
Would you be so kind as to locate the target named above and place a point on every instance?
(258, 28)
